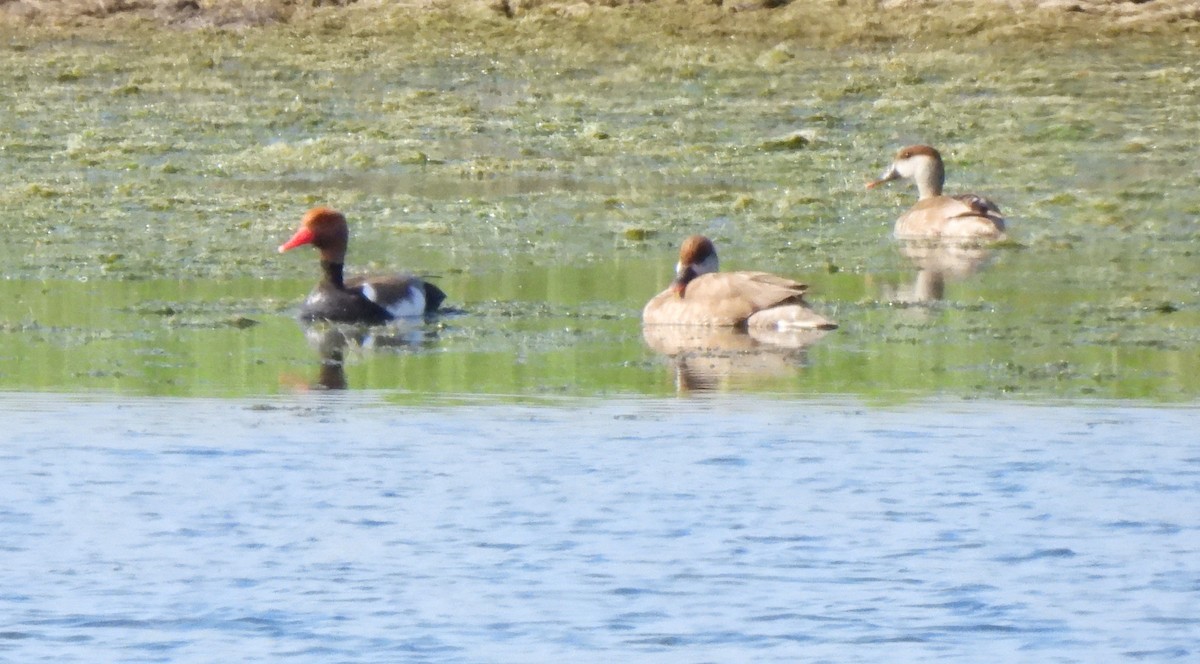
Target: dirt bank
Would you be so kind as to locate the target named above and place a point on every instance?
(835, 20)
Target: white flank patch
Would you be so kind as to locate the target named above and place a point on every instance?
(412, 304)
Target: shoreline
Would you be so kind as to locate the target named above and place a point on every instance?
(820, 21)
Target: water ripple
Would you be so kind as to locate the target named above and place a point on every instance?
(426, 538)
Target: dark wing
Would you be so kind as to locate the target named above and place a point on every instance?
(434, 297)
(978, 204)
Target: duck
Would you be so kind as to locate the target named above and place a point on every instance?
(936, 215)
(702, 295)
(369, 300)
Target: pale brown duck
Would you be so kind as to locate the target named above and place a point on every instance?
(700, 295)
(936, 215)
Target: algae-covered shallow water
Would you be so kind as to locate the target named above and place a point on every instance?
(575, 330)
(545, 182)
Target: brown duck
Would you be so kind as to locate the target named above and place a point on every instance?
(936, 215)
(700, 295)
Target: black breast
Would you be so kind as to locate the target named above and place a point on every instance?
(327, 302)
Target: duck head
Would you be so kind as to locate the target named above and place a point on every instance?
(325, 229)
(697, 256)
(920, 163)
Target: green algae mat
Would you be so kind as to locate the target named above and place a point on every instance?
(543, 167)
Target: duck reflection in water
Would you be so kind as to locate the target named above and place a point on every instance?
(938, 262)
(709, 358)
(334, 342)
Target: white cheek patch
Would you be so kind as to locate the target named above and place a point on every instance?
(909, 168)
(368, 291)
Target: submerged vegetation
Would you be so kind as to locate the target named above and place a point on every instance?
(543, 159)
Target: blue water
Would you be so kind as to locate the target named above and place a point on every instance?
(344, 528)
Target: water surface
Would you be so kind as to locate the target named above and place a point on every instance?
(324, 528)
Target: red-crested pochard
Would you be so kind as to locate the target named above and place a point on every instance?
(966, 216)
(700, 295)
(367, 299)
